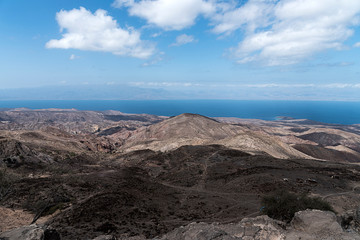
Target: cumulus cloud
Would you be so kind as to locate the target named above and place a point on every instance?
(252, 15)
(167, 14)
(183, 39)
(98, 32)
(288, 31)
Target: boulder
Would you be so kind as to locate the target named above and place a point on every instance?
(32, 232)
(317, 225)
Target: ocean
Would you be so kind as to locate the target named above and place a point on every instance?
(322, 111)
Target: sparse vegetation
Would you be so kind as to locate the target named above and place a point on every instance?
(6, 181)
(283, 205)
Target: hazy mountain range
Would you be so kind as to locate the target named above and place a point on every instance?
(177, 91)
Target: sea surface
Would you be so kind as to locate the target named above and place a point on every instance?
(327, 112)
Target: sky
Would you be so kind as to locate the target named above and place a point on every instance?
(188, 49)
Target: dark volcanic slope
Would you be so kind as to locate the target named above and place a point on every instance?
(322, 138)
(150, 193)
(327, 154)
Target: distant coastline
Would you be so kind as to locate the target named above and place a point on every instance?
(322, 111)
(327, 112)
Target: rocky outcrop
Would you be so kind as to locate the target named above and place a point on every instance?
(306, 225)
(31, 232)
(261, 227)
(351, 220)
(316, 224)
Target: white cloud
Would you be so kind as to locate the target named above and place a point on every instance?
(155, 35)
(357, 44)
(309, 85)
(252, 15)
(168, 14)
(73, 57)
(123, 3)
(183, 39)
(288, 31)
(165, 84)
(155, 60)
(251, 86)
(98, 32)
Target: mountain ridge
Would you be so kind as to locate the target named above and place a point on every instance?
(194, 129)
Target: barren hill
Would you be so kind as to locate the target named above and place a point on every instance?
(193, 129)
(72, 120)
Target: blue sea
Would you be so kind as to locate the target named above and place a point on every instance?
(327, 112)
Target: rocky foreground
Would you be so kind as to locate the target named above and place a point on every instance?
(306, 225)
(68, 174)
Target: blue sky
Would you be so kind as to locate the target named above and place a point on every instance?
(256, 49)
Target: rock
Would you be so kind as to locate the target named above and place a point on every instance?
(263, 227)
(258, 228)
(32, 232)
(200, 231)
(317, 225)
(105, 237)
(350, 220)
(313, 221)
(306, 225)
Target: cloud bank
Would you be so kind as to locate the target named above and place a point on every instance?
(98, 32)
(272, 32)
(276, 32)
(288, 31)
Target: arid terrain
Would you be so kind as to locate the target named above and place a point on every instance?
(83, 174)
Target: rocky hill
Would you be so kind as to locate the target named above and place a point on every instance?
(284, 138)
(72, 120)
(318, 140)
(192, 129)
